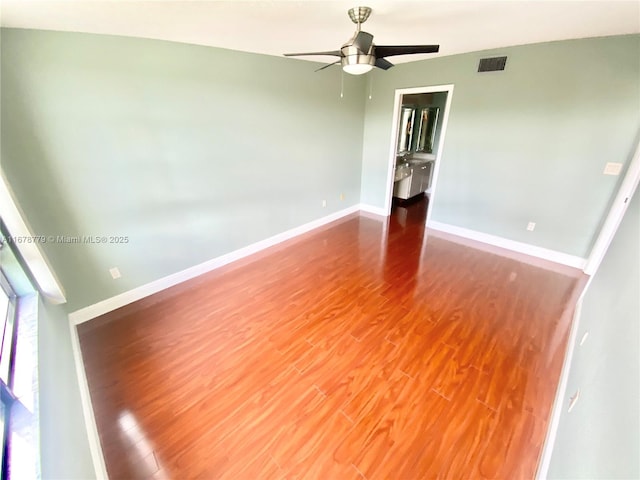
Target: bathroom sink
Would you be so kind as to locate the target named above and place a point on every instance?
(417, 161)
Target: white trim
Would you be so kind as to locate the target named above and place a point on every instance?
(397, 103)
(27, 244)
(374, 210)
(393, 149)
(110, 304)
(87, 408)
(558, 402)
(438, 160)
(525, 248)
(619, 207)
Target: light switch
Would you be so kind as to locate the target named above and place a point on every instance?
(612, 168)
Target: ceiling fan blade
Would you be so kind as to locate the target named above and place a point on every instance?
(335, 53)
(383, 64)
(327, 65)
(363, 41)
(388, 50)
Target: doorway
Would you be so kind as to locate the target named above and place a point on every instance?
(420, 118)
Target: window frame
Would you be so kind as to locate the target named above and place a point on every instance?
(8, 332)
(7, 356)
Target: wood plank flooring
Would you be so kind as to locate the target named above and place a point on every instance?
(369, 349)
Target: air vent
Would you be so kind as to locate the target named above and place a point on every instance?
(492, 64)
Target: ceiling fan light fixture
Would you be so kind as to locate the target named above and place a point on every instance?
(358, 64)
(357, 69)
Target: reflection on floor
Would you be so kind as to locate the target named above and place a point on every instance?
(413, 209)
(366, 349)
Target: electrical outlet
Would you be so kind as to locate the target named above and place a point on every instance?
(531, 226)
(115, 273)
(324, 203)
(612, 168)
(342, 196)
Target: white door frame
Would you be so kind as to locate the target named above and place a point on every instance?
(616, 212)
(397, 104)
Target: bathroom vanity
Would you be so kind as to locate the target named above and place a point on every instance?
(412, 178)
(415, 157)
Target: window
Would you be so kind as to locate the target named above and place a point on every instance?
(6, 303)
(7, 319)
(19, 449)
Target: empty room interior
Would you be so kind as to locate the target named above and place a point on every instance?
(320, 240)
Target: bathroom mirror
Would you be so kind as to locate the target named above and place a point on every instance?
(427, 129)
(405, 135)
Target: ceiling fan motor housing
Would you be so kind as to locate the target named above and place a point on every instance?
(351, 55)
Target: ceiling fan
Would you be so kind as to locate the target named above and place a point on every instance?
(359, 54)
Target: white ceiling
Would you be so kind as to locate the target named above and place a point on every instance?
(275, 27)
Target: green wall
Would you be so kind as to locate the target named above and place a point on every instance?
(600, 438)
(64, 446)
(191, 152)
(528, 143)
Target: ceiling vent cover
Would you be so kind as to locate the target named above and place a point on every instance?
(492, 64)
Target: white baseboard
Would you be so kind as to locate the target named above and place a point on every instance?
(110, 304)
(87, 409)
(375, 210)
(113, 303)
(525, 248)
(559, 400)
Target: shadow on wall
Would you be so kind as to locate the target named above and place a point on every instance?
(23, 154)
(627, 162)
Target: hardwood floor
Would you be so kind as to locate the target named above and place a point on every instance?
(365, 350)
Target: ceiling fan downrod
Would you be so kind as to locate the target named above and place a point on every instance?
(359, 15)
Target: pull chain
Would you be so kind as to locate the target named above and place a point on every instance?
(342, 84)
(370, 85)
